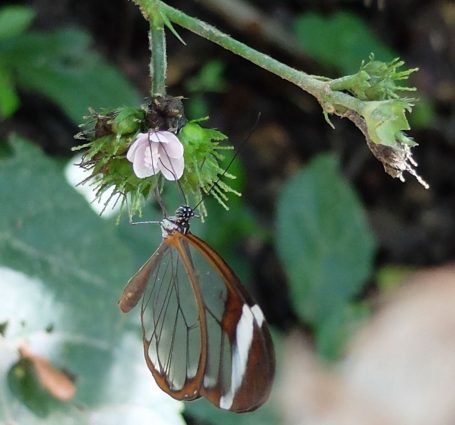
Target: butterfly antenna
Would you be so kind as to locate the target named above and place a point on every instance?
(234, 157)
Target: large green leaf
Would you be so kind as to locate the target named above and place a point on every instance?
(62, 301)
(323, 240)
(340, 41)
(61, 66)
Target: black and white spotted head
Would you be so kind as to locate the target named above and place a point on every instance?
(180, 222)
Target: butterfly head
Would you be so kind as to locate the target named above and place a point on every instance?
(180, 222)
(184, 213)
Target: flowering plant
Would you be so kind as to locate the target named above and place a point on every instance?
(157, 141)
(131, 150)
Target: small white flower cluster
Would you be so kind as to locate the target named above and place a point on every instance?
(157, 151)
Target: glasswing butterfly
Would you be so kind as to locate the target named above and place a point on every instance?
(203, 335)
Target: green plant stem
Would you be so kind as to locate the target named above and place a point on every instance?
(332, 101)
(349, 81)
(158, 61)
(157, 43)
(319, 89)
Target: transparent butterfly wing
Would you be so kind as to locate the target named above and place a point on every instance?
(171, 327)
(240, 360)
(202, 333)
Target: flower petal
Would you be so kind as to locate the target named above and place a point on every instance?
(141, 138)
(144, 164)
(169, 142)
(172, 168)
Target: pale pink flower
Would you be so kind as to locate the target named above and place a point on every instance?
(157, 151)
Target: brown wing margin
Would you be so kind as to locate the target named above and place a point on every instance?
(256, 381)
(136, 285)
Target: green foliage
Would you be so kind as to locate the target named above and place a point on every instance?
(324, 242)
(59, 65)
(209, 79)
(62, 253)
(383, 80)
(376, 80)
(343, 40)
(14, 20)
(384, 108)
(9, 100)
(79, 266)
(423, 114)
(169, 26)
(127, 121)
(340, 41)
(197, 106)
(380, 112)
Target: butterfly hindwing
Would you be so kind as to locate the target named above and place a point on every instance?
(240, 359)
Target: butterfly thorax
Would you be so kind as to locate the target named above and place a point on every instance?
(180, 222)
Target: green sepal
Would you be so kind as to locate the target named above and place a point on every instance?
(128, 120)
(203, 173)
(386, 120)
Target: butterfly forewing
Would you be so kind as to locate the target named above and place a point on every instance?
(171, 327)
